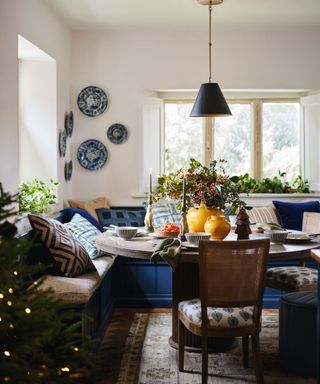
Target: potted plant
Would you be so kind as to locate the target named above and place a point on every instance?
(36, 196)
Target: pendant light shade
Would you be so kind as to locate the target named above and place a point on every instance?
(210, 102)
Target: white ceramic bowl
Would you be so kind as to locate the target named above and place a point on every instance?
(276, 236)
(126, 232)
(195, 237)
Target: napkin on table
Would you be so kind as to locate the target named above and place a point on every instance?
(167, 250)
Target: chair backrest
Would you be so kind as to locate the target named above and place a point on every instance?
(311, 222)
(232, 273)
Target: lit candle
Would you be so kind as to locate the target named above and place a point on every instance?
(150, 186)
(184, 206)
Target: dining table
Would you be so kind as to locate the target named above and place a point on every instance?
(185, 282)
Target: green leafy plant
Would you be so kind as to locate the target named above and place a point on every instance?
(209, 185)
(36, 196)
(277, 184)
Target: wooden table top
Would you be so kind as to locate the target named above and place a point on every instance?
(142, 248)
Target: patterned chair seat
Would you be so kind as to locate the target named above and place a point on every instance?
(218, 317)
(294, 276)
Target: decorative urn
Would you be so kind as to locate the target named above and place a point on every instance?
(217, 226)
(197, 217)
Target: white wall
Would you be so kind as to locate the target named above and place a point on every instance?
(33, 20)
(126, 64)
(38, 120)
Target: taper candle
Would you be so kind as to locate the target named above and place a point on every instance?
(150, 187)
(184, 205)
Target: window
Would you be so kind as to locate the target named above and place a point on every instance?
(232, 139)
(260, 138)
(280, 132)
(183, 136)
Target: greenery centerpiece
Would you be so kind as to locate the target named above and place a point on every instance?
(207, 187)
(210, 185)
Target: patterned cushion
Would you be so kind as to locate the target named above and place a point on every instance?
(90, 205)
(163, 213)
(68, 214)
(122, 217)
(266, 214)
(218, 317)
(69, 257)
(86, 233)
(293, 275)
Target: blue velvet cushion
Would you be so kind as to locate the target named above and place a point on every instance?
(69, 213)
(122, 217)
(291, 214)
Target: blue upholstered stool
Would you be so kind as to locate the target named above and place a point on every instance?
(298, 333)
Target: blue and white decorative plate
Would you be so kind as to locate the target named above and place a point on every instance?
(117, 133)
(92, 101)
(68, 170)
(62, 143)
(92, 154)
(68, 123)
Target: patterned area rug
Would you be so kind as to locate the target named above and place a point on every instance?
(148, 358)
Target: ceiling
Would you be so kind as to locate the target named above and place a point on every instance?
(126, 14)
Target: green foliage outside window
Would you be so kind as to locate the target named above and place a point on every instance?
(36, 196)
(277, 184)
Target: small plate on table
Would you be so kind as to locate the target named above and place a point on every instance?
(191, 247)
(298, 238)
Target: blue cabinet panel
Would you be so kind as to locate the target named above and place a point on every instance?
(141, 283)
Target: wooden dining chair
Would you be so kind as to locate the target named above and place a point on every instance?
(299, 277)
(231, 275)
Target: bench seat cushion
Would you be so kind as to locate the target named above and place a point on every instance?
(78, 290)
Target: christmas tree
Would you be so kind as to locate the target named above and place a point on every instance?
(40, 337)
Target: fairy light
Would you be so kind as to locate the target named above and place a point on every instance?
(65, 369)
(1, 295)
(7, 353)
(15, 273)
(7, 379)
(0, 319)
(10, 290)
(27, 311)
(9, 303)
(11, 326)
(76, 349)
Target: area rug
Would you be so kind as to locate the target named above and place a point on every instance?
(148, 358)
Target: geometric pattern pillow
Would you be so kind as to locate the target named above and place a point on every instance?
(218, 317)
(121, 217)
(86, 233)
(69, 257)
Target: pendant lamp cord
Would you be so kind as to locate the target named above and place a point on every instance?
(210, 41)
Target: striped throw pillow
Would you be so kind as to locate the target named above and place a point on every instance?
(69, 257)
(163, 213)
(86, 233)
(267, 214)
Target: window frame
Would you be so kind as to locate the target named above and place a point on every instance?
(256, 131)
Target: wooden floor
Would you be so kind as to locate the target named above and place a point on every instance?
(116, 335)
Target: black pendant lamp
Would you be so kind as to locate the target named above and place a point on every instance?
(210, 101)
